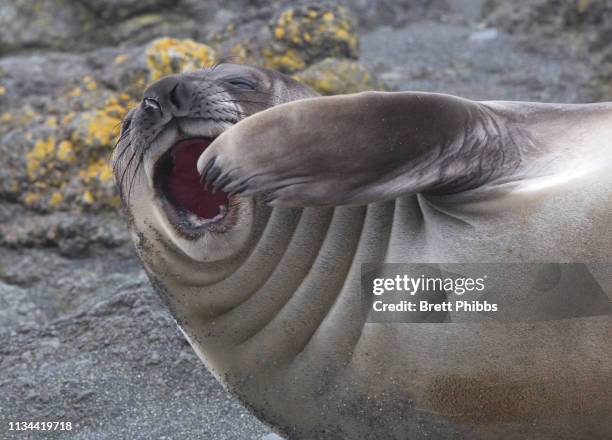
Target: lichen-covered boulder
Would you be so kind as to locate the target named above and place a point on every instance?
(168, 55)
(293, 39)
(59, 157)
(306, 34)
(339, 76)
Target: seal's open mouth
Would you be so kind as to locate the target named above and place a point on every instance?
(188, 204)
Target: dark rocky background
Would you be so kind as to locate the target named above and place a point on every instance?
(82, 336)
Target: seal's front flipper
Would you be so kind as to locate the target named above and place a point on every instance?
(350, 149)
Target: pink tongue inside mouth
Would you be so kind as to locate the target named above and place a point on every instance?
(184, 185)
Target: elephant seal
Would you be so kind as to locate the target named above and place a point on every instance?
(260, 265)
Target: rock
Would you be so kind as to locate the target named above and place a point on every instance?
(43, 24)
(73, 235)
(472, 9)
(304, 35)
(397, 13)
(585, 24)
(29, 76)
(333, 77)
(121, 9)
(293, 39)
(483, 35)
(58, 154)
(520, 17)
(168, 55)
(143, 28)
(109, 396)
(84, 25)
(17, 308)
(592, 17)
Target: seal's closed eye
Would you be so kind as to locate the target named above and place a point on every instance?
(241, 83)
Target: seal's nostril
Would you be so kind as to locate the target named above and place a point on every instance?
(152, 103)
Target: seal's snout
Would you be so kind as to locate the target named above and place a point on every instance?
(171, 96)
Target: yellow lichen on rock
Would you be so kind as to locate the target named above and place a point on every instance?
(67, 166)
(2, 90)
(37, 159)
(75, 92)
(289, 60)
(31, 198)
(65, 151)
(279, 33)
(306, 34)
(100, 127)
(239, 53)
(328, 16)
(89, 83)
(166, 56)
(333, 77)
(100, 170)
(93, 136)
(56, 198)
(23, 116)
(68, 118)
(88, 198)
